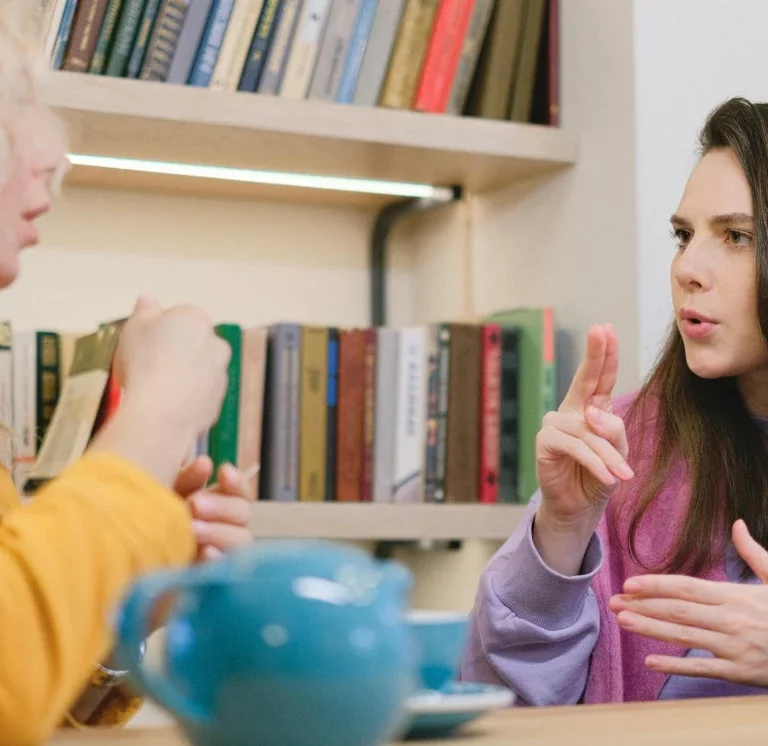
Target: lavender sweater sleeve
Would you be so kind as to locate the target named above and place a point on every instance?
(533, 629)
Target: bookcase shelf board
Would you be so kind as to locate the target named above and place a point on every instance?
(381, 521)
(153, 121)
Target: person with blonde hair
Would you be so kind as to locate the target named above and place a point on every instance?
(123, 509)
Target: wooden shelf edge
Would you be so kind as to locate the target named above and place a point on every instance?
(307, 118)
(373, 521)
(183, 124)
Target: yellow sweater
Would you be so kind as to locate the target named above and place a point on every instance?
(66, 558)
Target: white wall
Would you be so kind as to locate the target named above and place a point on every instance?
(690, 55)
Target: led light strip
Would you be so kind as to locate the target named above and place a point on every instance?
(275, 178)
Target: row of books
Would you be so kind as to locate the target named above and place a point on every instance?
(441, 413)
(489, 58)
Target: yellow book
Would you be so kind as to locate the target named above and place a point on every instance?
(314, 384)
(408, 54)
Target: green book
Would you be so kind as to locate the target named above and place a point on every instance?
(99, 61)
(537, 377)
(125, 37)
(222, 439)
(136, 60)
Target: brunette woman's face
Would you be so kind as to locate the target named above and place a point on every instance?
(714, 275)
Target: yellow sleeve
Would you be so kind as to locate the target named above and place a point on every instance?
(66, 558)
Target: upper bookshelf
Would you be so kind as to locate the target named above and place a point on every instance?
(183, 124)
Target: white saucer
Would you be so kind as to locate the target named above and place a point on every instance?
(436, 713)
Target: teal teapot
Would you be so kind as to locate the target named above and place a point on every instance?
(282, 643)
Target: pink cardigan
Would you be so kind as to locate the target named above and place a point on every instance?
(608, 682)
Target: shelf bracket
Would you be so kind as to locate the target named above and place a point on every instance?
(382, 228)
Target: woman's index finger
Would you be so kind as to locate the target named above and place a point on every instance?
(610, 371)
(587, 378)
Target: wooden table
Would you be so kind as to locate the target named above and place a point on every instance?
(703, 722)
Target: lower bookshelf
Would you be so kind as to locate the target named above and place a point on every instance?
(384, 522)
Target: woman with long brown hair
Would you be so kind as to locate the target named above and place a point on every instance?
(638, 571)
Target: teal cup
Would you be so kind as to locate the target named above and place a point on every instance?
(439, 639)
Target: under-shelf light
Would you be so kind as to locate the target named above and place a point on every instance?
(275, 178)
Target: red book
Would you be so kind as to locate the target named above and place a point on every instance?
(369, 408)
(490, 412)
(443, 54)
(350, 415)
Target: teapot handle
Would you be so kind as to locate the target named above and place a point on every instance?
(133, 627)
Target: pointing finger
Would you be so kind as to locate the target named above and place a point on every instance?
(587, 378)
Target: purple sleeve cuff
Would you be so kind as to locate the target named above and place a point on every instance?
(539, 595)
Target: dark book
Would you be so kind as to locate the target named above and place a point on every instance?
(332, 413)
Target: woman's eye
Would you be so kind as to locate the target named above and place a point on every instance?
(738, 238)
(682, 237)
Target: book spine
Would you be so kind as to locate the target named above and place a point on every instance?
(378, 51)
(387, 341)
(85, 33)
(106, 35)
(314, 378)
(257, 54)
(356, 52)
(189, 42)
(125, 36)
(210, 44)
(470, 52)
(430, 451)
(279, 49)
(165, 40)
(245, 16)
(463, 452)
(333, 50)
(411, 409)
(24, 355)
(521, 96)
(369, 415)
(408, 54)
(252, 369)
(54, 24)
(442, 56)
(222, 441)
(509, 424)
(6, 373)
(63, 34)
(443, 392)
(139, 52)
(305, 48)
(490, 403)
(332, 413)
(349, 463)
(291, 482)
(48, 380)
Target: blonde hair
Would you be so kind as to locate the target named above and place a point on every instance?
(26, 122)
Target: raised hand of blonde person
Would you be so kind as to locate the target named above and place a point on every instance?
(221, 511)
(581, 454)
(173, 370)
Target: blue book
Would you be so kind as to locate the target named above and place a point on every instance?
(210, 44)
(357, 44)
(333, 395)
(62, 37)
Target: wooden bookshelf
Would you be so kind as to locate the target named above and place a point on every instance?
(155, 121)
(375, 521)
